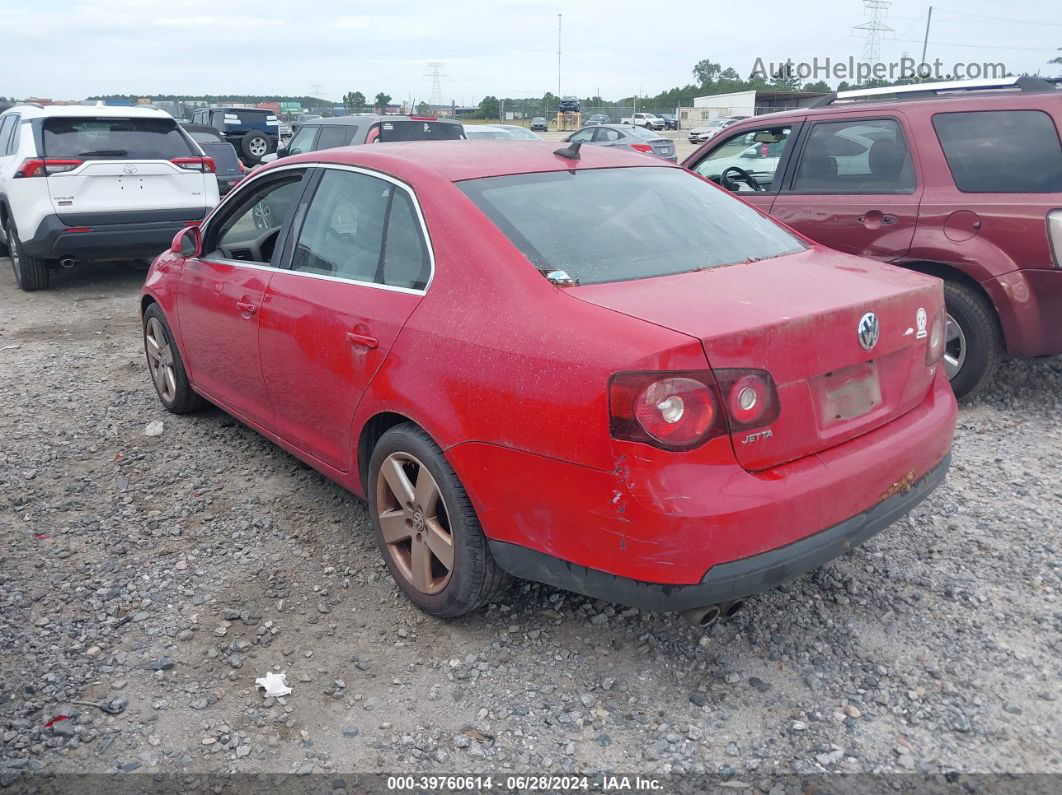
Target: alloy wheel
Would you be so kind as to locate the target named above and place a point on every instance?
(258, 147)
(954, 348)
(414, 523)
(160, 360)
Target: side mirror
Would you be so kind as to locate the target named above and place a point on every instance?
(187, 242)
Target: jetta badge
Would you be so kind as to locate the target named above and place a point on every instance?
(868, 331)
(129, 169)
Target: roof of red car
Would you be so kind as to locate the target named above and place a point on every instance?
(458, 160)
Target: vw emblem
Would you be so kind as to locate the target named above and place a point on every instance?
(129, 169)
(868, 331)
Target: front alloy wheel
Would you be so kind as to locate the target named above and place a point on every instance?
(160, 360)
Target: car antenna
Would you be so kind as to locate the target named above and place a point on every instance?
(571, 151)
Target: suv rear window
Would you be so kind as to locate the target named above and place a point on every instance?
(991, 151)
(110, 138)
(615, 224)
(419, 131)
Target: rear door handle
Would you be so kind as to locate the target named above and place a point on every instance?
(246, 307)
(364, 340)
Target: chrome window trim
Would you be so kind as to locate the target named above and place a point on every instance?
(339, 167)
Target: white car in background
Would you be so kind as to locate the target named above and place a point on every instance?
(485, 132)
(82, 182)
(648, 120)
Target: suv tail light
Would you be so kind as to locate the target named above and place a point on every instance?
(641, 147)
(1054, 231)
(683, 410)
(938, 333)
(41, 167)
(203, 164)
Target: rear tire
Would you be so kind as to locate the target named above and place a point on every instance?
(31, 273)
(255, 146)
(975, 344)
(435, 515)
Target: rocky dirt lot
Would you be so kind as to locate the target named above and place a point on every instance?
(158, 576)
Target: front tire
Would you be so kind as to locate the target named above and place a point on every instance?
(166, 367)
(426, 527)
(974, 344)
(31, 273)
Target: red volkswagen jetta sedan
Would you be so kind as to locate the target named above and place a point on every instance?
(590, 369)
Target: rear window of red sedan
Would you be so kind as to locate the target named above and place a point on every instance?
(616, 224)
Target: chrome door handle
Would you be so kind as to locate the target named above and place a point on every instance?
(246, 307)
(364, 340)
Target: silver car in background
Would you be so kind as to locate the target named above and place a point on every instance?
(626, 136)
(701, 133)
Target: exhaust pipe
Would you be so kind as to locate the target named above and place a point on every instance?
(702, 617)
(728, 610)
(68, 262)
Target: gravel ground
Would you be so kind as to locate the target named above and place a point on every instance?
(158, 576)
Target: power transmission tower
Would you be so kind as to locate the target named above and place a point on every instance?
(874, 29)
(436, 75)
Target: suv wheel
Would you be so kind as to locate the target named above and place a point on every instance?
(426, 526)
(973, 344)
(255, 146)
(31, 273)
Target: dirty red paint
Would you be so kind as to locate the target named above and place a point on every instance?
(509, 374)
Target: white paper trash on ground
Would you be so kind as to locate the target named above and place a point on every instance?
(274, 684)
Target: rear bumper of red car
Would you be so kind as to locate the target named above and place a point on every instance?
(669, 531)
(726, 581)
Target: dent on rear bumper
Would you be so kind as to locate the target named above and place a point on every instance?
(670, 524)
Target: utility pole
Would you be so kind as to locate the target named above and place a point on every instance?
(874, 29)
(559, 56)
(925, 41)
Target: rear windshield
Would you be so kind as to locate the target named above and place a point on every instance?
(203, 137)
(409, 130)
(109, 138)
(1014, 151)
(607, 225)
(251, 116)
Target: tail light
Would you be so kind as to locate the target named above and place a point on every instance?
(683, 410)
(41, 167)
(938, 337)
(204, 164)
(1054, 231)
(641, 147)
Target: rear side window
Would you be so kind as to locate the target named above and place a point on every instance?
(120, 139)
(1014, 151)
(615, 224)
(419, 131)
(8, 128)
(405, 255)
(860, 156)
(333, 135)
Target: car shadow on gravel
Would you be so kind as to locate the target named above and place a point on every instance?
(104, 279)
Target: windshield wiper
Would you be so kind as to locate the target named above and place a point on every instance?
(104, 153)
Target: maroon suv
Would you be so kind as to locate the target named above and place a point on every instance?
(959, 183)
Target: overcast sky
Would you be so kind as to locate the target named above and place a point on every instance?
(69, 49)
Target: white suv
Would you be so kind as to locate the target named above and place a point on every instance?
(89, 183)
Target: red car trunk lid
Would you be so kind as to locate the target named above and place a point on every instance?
(799, 318)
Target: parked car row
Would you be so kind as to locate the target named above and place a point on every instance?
(735, 383)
